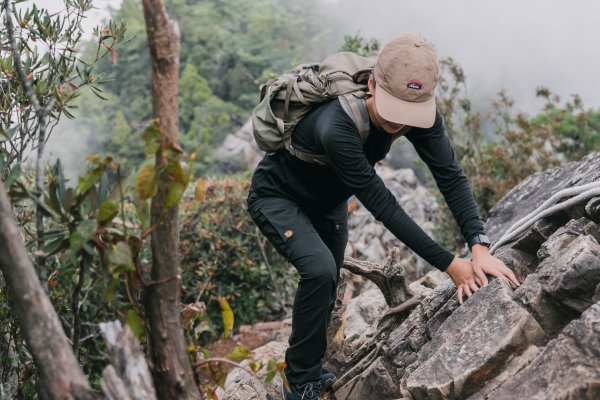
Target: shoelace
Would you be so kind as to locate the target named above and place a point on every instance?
(310, 391)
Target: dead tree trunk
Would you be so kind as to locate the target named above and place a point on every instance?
(57, 367)
(171, 367)
(391, 279)
(127, 377)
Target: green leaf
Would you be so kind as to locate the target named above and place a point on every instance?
(239, 352)
(151, 136)
(52, 199)
(110, 290)
(174, 192)
(33, 196)
(107, 211)
(146, 185)
(175, 171)
(84, 232)
(226, 315)
(68, 198)
(61, 183)
(89, 179)
(54, 243)
(103, 188)
(135, 323)
(176, 182)
(269, 377)
(120, 258)
(13, 175)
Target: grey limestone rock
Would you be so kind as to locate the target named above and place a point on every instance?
(515, 364)
(565, 282)
(375, 383)
(567, 368)
(537, 188)
(363, 312)
(489, 327)
(370, 240)
(566, 234)
(242, 385)
(239, 151)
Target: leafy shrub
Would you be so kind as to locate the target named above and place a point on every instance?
(224, 254)
(519, 145)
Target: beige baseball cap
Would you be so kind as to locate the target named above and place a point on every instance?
(406, 73)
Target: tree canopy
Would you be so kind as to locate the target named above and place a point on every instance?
(228, 49)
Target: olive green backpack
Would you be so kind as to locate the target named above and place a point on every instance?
(284, 101)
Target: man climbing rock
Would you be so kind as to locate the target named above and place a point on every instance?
(301, 207)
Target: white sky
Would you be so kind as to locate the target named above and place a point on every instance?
(93, 17)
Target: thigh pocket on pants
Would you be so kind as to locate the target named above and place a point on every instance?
(280, 220)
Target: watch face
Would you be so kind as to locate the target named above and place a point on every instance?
(484, 240)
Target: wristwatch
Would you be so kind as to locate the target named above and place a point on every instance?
(479, 239)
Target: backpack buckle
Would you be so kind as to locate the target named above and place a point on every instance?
(292, 150)
(314, 66)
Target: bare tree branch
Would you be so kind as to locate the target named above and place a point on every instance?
(390, 278)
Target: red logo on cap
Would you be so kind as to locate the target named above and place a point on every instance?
(414, 85)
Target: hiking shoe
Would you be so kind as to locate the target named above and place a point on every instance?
(327, 379)
(302, 391)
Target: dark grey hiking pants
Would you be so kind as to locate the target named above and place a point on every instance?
(314, 244)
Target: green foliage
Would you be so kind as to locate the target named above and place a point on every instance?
(359, 45)
(228, 48)
(91, 256)
(97, 227)
(519, 146)
(222, 255)
(47, 45)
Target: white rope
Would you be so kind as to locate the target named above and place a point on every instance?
(581, 193)
(563, 193)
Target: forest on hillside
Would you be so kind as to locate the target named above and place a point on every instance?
(153, 232)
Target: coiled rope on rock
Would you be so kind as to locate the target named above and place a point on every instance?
(580, 193)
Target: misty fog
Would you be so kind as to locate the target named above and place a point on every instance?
(513, 45)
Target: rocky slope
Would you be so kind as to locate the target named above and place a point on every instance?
(540, 341)
(238, 152)
(368, 239)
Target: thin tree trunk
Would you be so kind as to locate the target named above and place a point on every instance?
(40, 187)
(57, 367)
(172, 372)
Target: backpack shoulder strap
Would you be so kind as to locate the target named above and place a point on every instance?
(354, 105)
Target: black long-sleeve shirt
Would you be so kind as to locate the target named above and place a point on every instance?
(327, 129)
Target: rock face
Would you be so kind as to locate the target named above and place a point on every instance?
(239, 151)
(567, 368)
(369, 240)
(491, 326)
(243, 385)
(540, 341)
(532, 192)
